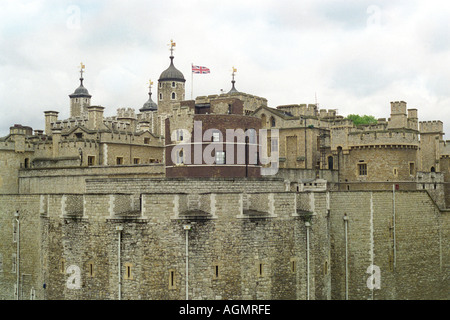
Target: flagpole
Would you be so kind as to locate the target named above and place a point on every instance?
(192, 81)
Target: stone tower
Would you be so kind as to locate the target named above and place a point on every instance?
(171, 89)
(80, 99)
(170, 86)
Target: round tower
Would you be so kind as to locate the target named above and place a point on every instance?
(80, 99)
(171, 86)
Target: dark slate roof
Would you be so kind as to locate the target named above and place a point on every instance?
(171, 73)
(150, 105)
(233, 89)
(80, 92)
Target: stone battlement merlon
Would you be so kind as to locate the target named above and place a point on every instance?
(398, 107)
(298, 110)
(435, 126)
(278, 205)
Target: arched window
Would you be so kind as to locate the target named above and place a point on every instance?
(174, 96)
(272, 122)
(160, 96)
(330, 163)
(433, 169)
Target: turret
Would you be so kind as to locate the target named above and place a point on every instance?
(80, 99)
(170, 86)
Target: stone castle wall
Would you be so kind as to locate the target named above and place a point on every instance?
(241, 245)
(418, 266)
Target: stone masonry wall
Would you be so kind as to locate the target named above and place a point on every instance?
(416, 269)
(265, 244)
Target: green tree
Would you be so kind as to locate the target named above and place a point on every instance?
(359, 120)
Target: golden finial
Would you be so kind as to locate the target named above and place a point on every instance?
(82, 67)
(172, 46)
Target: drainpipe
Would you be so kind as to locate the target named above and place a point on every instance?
(308, 225)
(187, 227)
(346, 255)
(119, 267)
(16, 215)
(393, 226)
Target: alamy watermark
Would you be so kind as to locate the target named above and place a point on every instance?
(374, 18)
(237, 147)
(374, 280)
(73, 21)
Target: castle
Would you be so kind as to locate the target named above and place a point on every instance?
(134, 207)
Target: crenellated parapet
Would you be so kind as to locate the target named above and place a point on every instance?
(435, 126)
(159, 207)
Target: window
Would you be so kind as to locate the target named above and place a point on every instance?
(260, 270)
(174, 95)
(146, 140)
(325, 268)
(330, 162)
(174, 84)
(220, 157)
(119, 160)
(128, 271)
(27, 163)
(362, 169)
(263, 121)
(172, 283)
(1, 263)
(272, 122)
(160, 96)
(216, 271)
(293, 265)
(216, 136)
(395, 172)
(91, 160)
(79, 135)
(411, 168)
(136, 161)
(90, 269)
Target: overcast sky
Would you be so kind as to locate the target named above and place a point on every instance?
(355, 56)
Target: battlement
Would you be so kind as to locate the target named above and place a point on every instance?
(126, 113)
(398, 107)
(183, 206)
(298, 110)
(182, 110)
(383, 137)
(435, 126)
(21, 130)
(330, 113)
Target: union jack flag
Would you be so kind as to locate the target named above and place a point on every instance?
(201, 70)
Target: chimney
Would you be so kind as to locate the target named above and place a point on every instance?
(50, 117)
(95, 117)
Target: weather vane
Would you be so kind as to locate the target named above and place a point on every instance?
(172, 46)
(234, 70)
(82, 67)
(150, 83)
